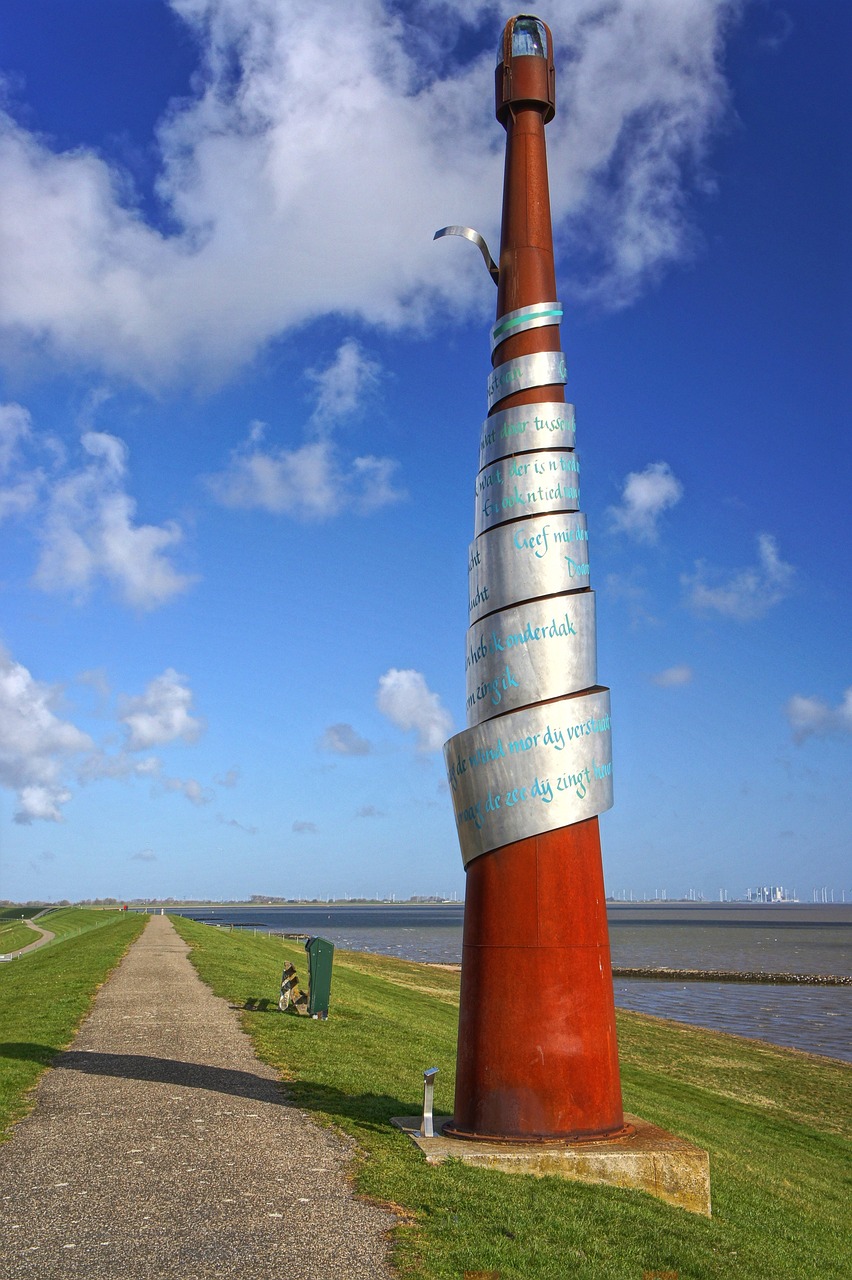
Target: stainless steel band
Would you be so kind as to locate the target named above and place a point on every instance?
(542, 556)
(529, 485)
(530, 653)
(543, 369)
(531, 771)
(548, 425)
(539, 315)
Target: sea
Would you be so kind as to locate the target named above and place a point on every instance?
(785, 938)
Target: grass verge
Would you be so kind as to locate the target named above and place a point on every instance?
(771, 1119)
(44, 997)
(14, 936)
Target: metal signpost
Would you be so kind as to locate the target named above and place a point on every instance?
(533, 769)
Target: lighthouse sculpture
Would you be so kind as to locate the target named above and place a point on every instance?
(537, 1057)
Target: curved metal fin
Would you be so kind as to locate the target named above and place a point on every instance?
(477, 239)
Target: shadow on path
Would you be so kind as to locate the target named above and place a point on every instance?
(137, 1066)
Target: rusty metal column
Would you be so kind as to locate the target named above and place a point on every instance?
(537, 1056)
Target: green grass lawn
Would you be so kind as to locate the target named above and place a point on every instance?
(43, 998)
(14, 935)
(15, 913)
(773, 1121)
(66, 922)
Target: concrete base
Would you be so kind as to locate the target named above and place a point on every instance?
(649, 1159)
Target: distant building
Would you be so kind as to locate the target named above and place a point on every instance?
(770, 893)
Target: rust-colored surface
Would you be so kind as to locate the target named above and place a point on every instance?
(537, 1055)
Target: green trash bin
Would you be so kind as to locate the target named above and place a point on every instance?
(320, 958)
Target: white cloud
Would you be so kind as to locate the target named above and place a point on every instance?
(747, 594)
(315, 480)
(813, 717)
(645, 496)
(161, 714)
(190, 788)
(37, 748)
(673, 677)
(342, 740)
(317, 157)
(406, 700)
(342, 385)
(89, 532)
(18, 492)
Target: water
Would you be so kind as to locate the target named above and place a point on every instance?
(815, 1019)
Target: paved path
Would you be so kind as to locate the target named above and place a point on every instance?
(44, 936)
(160, 1146)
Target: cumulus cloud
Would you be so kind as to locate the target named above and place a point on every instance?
(342, 740)
(406, 700)
(161, 714)
(747, 594)
(89, 532)
(342, 385)
(645, 496)
(316, 479)
(37, 747)
(42, 754)
(190, 788)
(18, 487)
(673, 677)
(305, 174)
(813, 717)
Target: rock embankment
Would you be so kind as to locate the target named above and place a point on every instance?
(726, 975)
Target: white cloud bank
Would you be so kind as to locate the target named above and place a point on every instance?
(747, 594)
(37, 747)
(645, 496)
(86, 518)
(89, 532)
(317, 480)
(41, 754)
(161, 714)
(318, 156)
(405, 698)
(814, 718)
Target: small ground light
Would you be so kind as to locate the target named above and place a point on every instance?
(427, 1129)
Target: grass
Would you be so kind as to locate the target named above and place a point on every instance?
(15, 913)
(44, 997)
(772, 1120)
(14, 935)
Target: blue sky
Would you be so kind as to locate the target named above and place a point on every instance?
(241, 397)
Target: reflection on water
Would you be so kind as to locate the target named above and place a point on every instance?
(816, 1019)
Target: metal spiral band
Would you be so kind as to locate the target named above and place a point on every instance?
(538, 316)
(530, 653)
(528, 485)
(542, 369)
(548, 425)
(531, 771)
(544, 556)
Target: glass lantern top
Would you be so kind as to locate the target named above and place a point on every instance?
(529, 39)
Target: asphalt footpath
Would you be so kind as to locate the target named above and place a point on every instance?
(160, 1146)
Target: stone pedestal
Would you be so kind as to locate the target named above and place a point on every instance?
(646, 1159)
